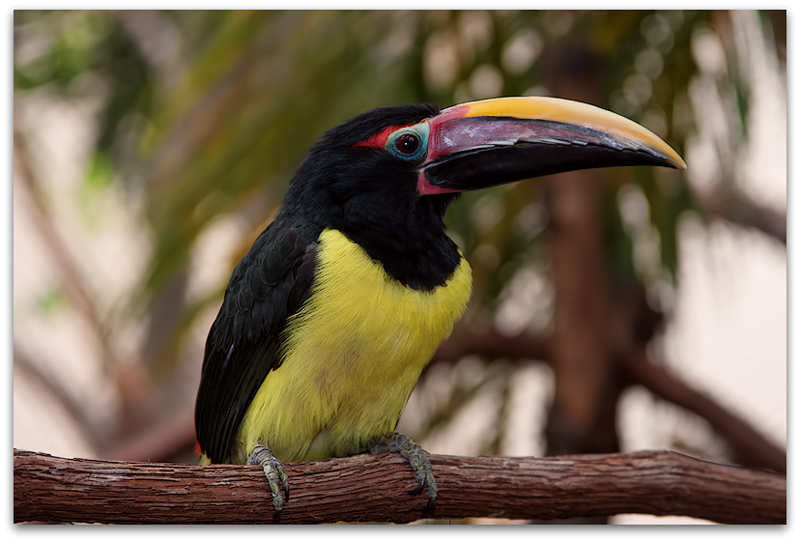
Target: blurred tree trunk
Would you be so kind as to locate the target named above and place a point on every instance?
(582, 416)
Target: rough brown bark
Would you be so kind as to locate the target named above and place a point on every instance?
(373, 488)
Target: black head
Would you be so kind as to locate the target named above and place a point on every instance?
(361, 179)
(385, 178)
(352, 176)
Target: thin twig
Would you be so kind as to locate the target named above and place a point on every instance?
(74, 283)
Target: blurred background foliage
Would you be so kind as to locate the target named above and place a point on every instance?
(199, 118)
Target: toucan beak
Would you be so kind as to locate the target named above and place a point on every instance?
(491, 142)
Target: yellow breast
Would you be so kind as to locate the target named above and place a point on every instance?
(351, 358)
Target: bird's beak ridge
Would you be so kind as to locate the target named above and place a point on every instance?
(502, 140)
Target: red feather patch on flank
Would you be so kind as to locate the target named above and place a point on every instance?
(379, 140)
(197, 450)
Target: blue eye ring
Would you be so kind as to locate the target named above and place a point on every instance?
(409, 143)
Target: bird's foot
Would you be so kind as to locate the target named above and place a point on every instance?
(413, 452)
(273, 470)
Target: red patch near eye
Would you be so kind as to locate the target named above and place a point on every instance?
(379, 140)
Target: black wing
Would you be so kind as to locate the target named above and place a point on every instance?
(268, 285)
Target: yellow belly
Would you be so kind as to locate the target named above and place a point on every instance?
(352, 356)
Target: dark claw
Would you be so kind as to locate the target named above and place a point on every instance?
(417, 490)
(397, 442)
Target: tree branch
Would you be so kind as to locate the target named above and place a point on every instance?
(374, 488)
(737, 208)
(750, 447)
(489, 343)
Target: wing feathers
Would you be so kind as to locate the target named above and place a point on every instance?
(268, 285)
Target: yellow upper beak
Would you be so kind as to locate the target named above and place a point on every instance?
(490, 142)
(574, 113)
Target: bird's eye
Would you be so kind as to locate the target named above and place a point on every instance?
(409, 143)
